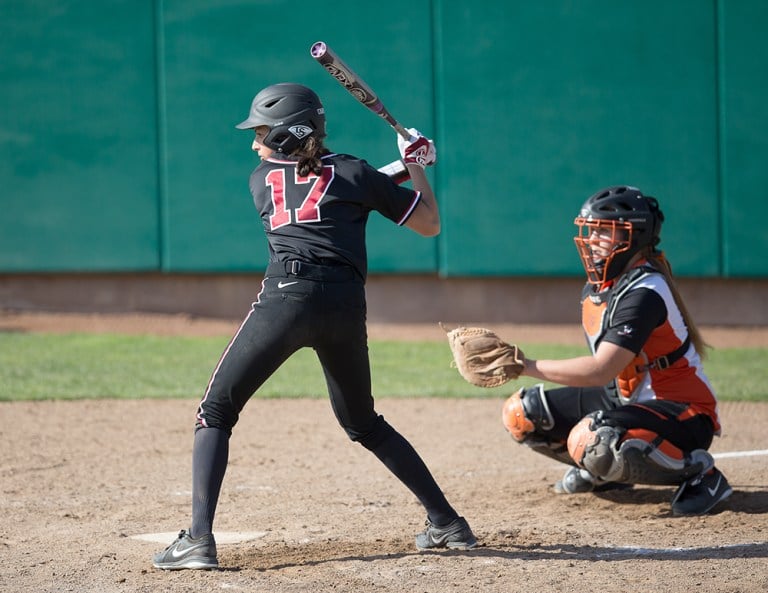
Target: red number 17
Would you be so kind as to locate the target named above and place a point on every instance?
(309, 211)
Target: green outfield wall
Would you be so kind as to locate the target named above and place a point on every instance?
(119, 152)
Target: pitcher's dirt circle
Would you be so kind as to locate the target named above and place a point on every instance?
(78, 480)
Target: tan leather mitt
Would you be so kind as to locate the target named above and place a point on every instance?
(483, 358)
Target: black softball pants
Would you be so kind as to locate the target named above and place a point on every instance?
(291, 313)
(325, 309)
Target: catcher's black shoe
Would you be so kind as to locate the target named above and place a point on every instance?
(699, 495)
(188, 552)
(456, 535)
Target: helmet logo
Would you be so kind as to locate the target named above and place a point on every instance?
(300, 131)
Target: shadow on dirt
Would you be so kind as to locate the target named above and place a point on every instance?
(751, 501)
(534, 552)
(609, 553)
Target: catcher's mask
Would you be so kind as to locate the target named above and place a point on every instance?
(292, 112)
(613, 225)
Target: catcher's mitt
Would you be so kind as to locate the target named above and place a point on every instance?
(483, 358)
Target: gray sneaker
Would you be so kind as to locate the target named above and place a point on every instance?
(456, 535)
(578, 480)
(187, 552)
(575, 481)
(699, 495)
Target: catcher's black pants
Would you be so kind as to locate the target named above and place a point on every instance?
(669, 420)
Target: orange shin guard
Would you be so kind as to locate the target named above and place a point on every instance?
(514, 419)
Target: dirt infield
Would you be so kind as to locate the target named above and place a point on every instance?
(79, 481)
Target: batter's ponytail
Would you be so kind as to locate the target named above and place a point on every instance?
(310, 152)
(659, 261)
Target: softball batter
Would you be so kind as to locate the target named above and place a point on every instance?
(314, 205)
(639, 409)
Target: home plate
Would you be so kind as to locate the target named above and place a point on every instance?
(222, 537)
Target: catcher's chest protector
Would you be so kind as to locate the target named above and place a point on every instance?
(597, 309)
(593, 309)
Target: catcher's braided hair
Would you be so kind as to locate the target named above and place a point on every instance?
(310, 152)
(659, 261)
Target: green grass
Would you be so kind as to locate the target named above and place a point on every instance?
(76, 366)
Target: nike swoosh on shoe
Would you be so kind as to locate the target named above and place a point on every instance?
(713, 490)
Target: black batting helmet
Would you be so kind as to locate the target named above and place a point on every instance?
(292, 112)
(614, 224)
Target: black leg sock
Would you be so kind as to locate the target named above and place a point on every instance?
(399, 456)
(210, 455)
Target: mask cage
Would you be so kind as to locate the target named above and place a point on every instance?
(613, 236)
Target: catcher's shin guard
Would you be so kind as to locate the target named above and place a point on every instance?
(526, 411)
(634, 456)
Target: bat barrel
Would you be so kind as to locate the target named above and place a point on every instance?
(355, 85)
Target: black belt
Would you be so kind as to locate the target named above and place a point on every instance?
(302, 269)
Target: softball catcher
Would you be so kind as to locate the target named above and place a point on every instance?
(639, 409)
(314, 205)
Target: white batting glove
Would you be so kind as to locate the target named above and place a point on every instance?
(419, 151)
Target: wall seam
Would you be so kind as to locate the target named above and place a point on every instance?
(437, 119)
(720, 127)
(163, 229)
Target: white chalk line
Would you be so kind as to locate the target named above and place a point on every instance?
(725, 455)
(623, 550)
(740, 454)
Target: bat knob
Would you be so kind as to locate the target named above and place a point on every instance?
(318, 49)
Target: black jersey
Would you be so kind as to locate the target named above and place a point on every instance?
(322, 219)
